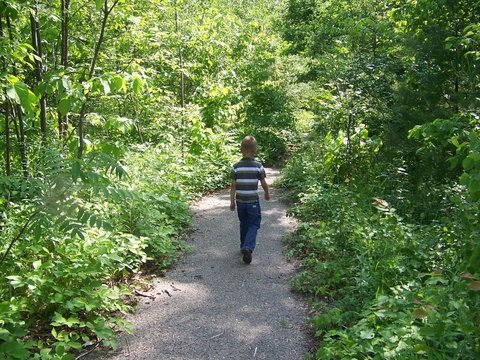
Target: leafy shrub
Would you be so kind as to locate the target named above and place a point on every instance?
(435, 316)
(384, 283)
(75, 234)
(60, 292)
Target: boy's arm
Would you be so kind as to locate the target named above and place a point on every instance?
(233, 189)
(264, 184)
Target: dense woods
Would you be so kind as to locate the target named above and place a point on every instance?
(115, 114)
(387, 183)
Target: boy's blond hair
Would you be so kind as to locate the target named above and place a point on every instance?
(248, 146)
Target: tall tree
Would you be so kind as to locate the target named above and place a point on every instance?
(37, 46)
(181, 71)
(65, 15)
(17, 112)
(106, 10)
(6, 109)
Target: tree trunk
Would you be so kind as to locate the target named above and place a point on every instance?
(63, 119)
(182, 79)
(8, 166)
(18, 114)
(37, 45)
(81, 120)
(180, 64)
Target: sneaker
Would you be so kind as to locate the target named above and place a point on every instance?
(247, 256)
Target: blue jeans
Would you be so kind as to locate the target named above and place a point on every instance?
(250, 217)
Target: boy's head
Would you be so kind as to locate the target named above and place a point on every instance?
(248, 146)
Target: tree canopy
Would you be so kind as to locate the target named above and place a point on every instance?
(114, 114)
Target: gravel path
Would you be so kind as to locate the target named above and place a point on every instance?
(212, 305)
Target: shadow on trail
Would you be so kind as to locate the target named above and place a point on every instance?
(212, 305)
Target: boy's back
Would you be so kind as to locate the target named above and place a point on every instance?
(244, 195)
(246, 173)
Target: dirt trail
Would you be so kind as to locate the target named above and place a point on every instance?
(212, 305)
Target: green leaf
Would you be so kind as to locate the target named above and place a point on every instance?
(367, 334)
(57, 320)
(99, 4)
(16, 281)
(106, 86)
(66, 84)
(137, 85)
(14, 350)
(5, 335)
(468, 163)
(75, 345)
(44, 353)
(58, 298)
(429, 331)
(76, 171)
(60, 349)
(101, 330)
(20, 93)
(93, 220)
(37, 264)
(72, 320)
(465, 179)
(37, 231)
(474, 186)
(118, 83)
(64, 105)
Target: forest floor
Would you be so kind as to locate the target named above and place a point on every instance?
(213, 306)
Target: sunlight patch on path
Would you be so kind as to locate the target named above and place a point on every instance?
(215, 306)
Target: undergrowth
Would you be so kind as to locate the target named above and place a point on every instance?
(77, 238)
(383, 284)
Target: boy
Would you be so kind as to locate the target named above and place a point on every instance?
(245, 176)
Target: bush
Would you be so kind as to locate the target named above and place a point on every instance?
(384, 283)
(75, 237)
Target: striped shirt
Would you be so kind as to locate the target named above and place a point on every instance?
(246, 173)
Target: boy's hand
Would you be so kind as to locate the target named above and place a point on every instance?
(233, 188)
(264, 184)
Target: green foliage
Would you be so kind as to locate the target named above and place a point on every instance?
(350, 249)
(61, 284)
(21, 94)
(267, 111)
(427, 318)
(470, 163)
(385, 185)
(340, 158)
(58, 260)
(76, 231)
(357, 255)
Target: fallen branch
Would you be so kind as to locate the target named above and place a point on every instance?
(88, 352)
(141, 293)
(175, 288)
(215, 336)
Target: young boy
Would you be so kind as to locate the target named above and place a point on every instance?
(244, 194)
